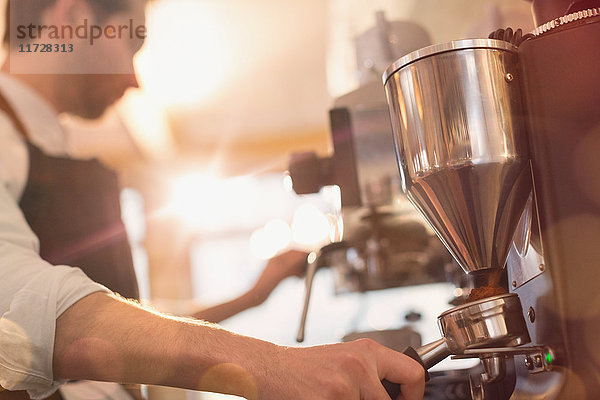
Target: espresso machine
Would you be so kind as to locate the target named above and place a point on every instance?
(497, 145)
(385, 242)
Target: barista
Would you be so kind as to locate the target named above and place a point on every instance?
(58, 324)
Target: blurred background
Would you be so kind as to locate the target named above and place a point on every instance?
(229, 89)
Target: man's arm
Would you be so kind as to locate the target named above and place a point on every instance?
(278, 268)
(102, 337)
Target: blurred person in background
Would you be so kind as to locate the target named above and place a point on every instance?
(59, 216)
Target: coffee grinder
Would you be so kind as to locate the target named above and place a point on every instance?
(497, 148)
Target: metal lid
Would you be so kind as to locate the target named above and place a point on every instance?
(445, 47)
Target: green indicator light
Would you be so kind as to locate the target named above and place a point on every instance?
(548, 358)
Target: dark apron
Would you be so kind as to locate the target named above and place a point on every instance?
(73, 206)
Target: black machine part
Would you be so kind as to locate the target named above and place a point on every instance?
(562, 90)
(548, 10)
(310, 173)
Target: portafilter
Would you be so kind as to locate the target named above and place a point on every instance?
(494, 322)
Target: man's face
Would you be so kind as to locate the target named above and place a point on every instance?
(89, 94)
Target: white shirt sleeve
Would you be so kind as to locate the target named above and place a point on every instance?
(33, 294)
(14, 158)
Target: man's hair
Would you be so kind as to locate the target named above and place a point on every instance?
(32, 11)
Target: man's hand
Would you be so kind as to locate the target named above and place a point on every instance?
(290, 263)
(104, 338)
(345, 371)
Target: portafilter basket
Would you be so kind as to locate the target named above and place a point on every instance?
(492, 322)
(488, 323)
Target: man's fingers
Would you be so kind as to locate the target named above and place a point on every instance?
(377, 392)
(399, 368)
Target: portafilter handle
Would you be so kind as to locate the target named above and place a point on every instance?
(431, 353)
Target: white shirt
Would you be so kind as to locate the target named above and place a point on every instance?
(33, 294)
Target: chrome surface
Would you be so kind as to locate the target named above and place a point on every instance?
(494, 367)
(310, 274)
(525, 259)
(477, 392)
(508, 351)
(459, 129)
(538, 358)
(493, 322)
(496, 322)
(434, 352)
(497, 382)
(443, 47)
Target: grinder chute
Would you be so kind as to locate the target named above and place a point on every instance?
(458, 125)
